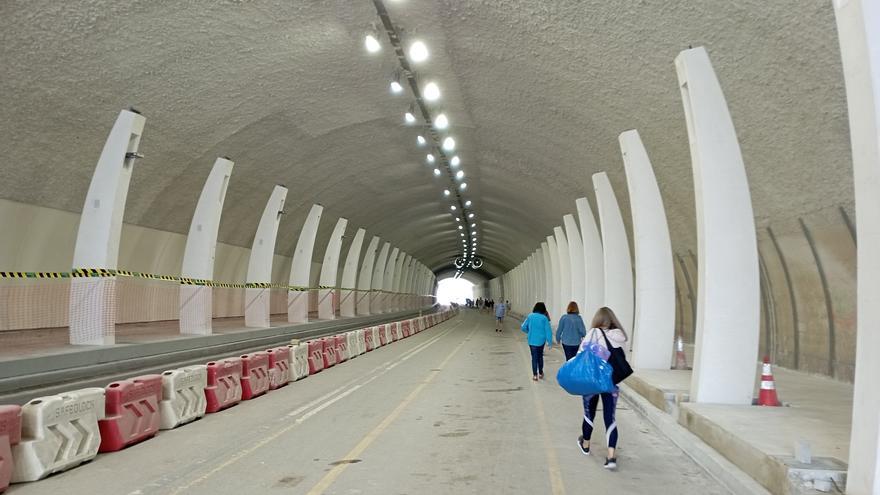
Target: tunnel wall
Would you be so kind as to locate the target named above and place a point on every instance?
(42, 239)
(808, 292)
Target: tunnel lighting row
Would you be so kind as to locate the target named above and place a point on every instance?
(417, 52)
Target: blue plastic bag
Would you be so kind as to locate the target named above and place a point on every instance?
(585, 374)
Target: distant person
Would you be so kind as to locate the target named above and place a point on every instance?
(500, 313)
(571, 330)
(604, 325)
(537, 326)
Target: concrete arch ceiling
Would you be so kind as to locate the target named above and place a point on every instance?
(536, 93)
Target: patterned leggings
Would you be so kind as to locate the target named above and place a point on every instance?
(609, 406)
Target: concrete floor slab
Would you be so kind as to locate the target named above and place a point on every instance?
(449, 410)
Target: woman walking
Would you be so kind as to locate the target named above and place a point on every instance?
(571, 330)
(537, 326)
(605, 330)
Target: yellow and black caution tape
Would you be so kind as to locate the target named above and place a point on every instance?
(107, 272)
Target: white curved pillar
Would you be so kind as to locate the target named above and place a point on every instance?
(618, 266)
(594, 259)
(327, 298)
(858, 29)
(556, 285)
(654, 326)
(348, 294)
(388, 279)
(93, 299)
(728, 299)
(301, 267)
(196, 301)
(256, 299)
(564, 261)
(576, 257)
(378, 282)
(398, 275)
(542, 277)
(548, 273)
(365, 278)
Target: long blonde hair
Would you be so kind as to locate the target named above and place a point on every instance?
(606, 320)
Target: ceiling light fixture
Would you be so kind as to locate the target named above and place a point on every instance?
(437, 172)
(470, 215)
(372, 44)
(474, 224)
(418, 52)
(429, 157)
(459, 174)
(441, 122)
(446, 192)
(460, 227)
(463, 186)
(453, 208)
(420, 140)
(431, 91)
(449, 143)
(467, 203)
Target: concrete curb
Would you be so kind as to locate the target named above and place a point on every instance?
(724, 471)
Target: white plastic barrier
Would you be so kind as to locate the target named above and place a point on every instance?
(376, 341)
(351, 341)
(361, 341)
(299, 360)
(389, 337)
(183, 396)
(58, 432)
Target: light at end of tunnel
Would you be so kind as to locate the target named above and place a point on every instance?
(372, 44)
(431, 92)
(418, 51)
(455, 161)
(449, 143)
(441, 122)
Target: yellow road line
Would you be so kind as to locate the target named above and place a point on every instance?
(556, 484)
(320, 404)
(334, 473)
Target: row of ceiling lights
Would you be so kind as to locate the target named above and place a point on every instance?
(430, 92)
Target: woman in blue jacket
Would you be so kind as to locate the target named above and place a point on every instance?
(537, 326)
(571, 330)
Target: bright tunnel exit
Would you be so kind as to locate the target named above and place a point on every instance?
(454, 290)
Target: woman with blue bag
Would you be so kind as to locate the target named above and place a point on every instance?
(606, 337)
(537, 326)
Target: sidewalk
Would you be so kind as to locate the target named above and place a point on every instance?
(762, 440)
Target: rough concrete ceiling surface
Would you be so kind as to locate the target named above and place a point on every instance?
(536, 92)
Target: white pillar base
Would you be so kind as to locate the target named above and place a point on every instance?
(298, 306)
(347, 303)
(256, 307)
(327, 304)
(195, 309)
(93, 311)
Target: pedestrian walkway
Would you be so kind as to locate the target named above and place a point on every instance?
(449, 410)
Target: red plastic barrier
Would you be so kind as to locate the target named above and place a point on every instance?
(368, 339)
(224, 384)
(329, 344)
(279, 367)
(254, 375)
(10, 434)
(383, 337)
(341, 348)
(406, 328)
(131, 412)
(395, 331)
(316, 356)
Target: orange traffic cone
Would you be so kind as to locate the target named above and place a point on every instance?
(767, 395)
(680, 357)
